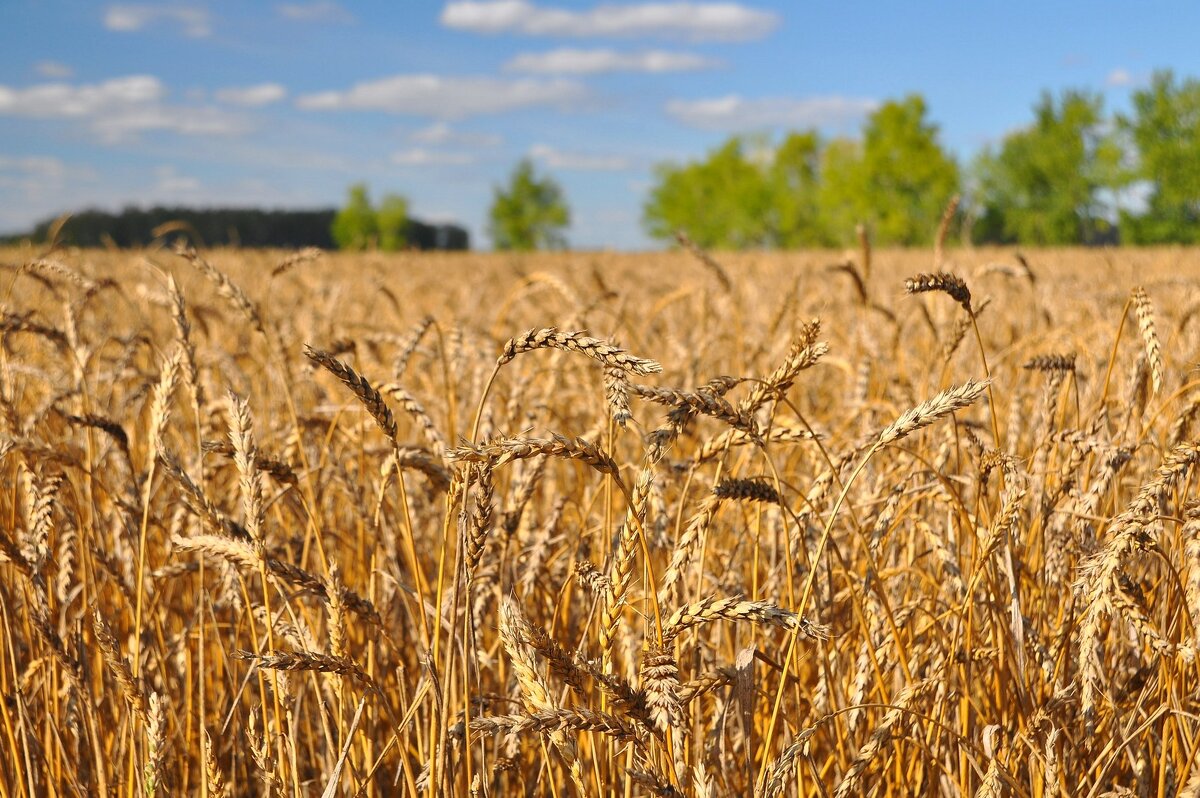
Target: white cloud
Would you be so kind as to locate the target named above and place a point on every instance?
(193, 21)
(171, 182)
(687, 20)
(118, 108)
(53, 69)
(440, 133)
(571, 61)
(423, 157)
(315, 12)
(1119, 78)
(576, 161)
(445, 97)
(41, 167)
(252, 96)
(734, 112)
(51, 100)
(120, 125)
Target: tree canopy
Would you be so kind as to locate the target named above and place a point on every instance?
(808, 192)
(529, 213)
(355, 226)
(1164, 130)
(793, 185)
(1046, 184)
(1073, 175)
(904, 179)
(391, 220)
(213, 227)
(723, 201)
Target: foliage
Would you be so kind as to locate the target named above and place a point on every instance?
(360, 225)
(721, 202)
(392, 222)
(905, 178)
(794, 180)
(1165, 130)
(802, 193)
(139, 227)
(1046, 184)
(355, 226)
(530, 213)
(838, 206)
(237, 227)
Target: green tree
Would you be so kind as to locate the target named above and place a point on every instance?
(794, 187)
(900, 182)
(1165, 130)
(391, 220)
(530, 213)
(1046, 184)
(722, 202)
(355, 226)
(841, 205)
(805, 193)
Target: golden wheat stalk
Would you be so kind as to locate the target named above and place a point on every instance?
(929, 411)
(713, 608)
(600, 351)
(1144, 310)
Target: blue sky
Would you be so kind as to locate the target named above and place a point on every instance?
(284, 104)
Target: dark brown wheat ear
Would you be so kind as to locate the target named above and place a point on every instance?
(951, 285)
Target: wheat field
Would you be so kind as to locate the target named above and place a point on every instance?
(819, 524)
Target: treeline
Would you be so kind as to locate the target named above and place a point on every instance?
(245, 227)
(1074, 175)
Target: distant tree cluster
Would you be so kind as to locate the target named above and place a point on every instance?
(1073, 176)
(810, 192)
(246, 227)
(529, 213)
(359, 225)
(138, 227)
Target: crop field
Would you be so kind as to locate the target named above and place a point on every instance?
(815, 524)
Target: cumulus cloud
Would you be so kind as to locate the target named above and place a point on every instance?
(252, 96)
(315, 12)
(569, 61)
(123, 124)
(734, 112)
(50, 100)
(445, 97)
(193, 21)
(117, 108)
(577, 161)
(423, 157)
(686, 20)
(440, 133)
(53, 69)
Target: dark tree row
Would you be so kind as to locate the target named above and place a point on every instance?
(245, 227)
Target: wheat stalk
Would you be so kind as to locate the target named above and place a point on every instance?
(929, 411)
(1144, 310)
(604, 353)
